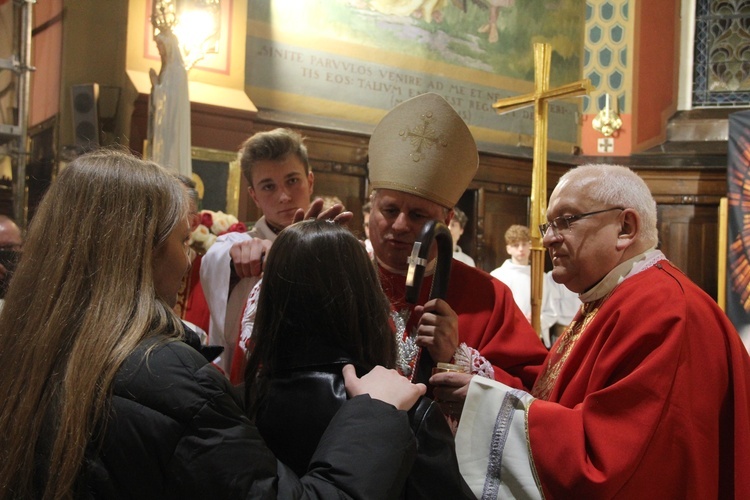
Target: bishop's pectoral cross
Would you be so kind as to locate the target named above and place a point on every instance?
(540, 98)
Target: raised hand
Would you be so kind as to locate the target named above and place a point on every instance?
(437, 330)
(336, 213)
(248, 256)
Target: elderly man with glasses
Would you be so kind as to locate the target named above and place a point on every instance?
(647, 392)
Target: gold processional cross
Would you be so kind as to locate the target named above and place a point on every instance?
(540, 98)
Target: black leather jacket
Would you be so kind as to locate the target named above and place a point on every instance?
(301, 401)
(177, 430)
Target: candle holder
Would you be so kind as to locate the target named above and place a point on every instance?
(607, 121)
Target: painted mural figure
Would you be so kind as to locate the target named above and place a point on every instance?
(428, 10)
(491, 26)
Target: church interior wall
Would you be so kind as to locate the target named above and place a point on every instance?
(94, 42)
(656, 64)
(686, 191)
(46, 58)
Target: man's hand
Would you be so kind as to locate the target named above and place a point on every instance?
(248, 256)
(383, 384)
(449, 389)
(336, 213)
(438, 330)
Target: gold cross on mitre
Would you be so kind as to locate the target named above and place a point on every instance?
(540, 99)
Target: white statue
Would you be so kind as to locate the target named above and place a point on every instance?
(169, 110)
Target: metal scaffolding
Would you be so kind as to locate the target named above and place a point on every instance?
(16, 133)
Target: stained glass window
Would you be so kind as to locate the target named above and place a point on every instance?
(722, 53)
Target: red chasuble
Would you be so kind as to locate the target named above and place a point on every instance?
(651, 387)
(488, 320)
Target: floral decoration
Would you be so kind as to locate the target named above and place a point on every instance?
(212, 225)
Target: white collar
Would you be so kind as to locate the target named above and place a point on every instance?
(620, 273)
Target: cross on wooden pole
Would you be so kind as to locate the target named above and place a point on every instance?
(540, 99)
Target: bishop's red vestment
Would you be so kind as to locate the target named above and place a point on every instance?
(646, 395)
(488, 320)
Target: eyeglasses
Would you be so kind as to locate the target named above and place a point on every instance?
(559, 223)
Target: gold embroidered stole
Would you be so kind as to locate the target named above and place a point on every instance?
(562, 349)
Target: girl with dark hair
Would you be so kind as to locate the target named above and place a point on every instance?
(321, 307)
(103, 394)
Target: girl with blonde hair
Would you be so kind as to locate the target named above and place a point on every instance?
(103, 393)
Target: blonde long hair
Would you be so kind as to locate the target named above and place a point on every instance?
(81, 300)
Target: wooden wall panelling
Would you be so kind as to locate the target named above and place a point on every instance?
(687, 194)
(219, 128)
(499, 170)
(349, 188)
(325, 145)
(501, 210)
(688, 236)
(339, 161)
(693, 185)
(211, 127)
(688, 211)
(505, 185)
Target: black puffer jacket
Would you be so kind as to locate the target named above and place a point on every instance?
(302, 400)
(177, 431)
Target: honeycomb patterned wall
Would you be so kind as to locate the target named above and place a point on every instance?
(607, 52)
